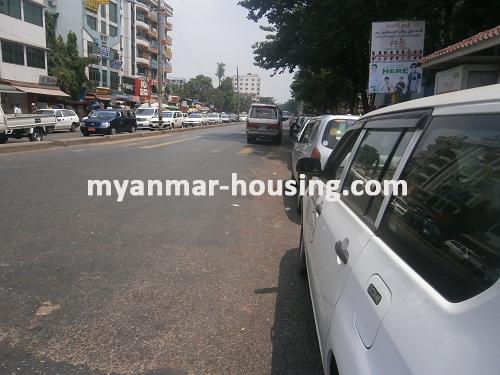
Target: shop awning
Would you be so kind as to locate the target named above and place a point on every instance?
(8, 89)
(41, 91)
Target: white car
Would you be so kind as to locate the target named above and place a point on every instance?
(387, 295)
(170, 120)
(194, 119)
(144, 116)
(66, 119)
(214, 118)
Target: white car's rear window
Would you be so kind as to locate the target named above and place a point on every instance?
(268, 113)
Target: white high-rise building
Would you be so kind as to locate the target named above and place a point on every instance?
(249, 84)
(23, 56)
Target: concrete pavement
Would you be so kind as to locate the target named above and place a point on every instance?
(151, 285)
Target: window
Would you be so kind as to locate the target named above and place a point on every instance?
(92, 22)
(103, 27)
(269, 113)
(306, 134)
(113, 54)
(35, 57)
(12, 53)
(115, 80)
(33, 13)
(91, 48)
(103, 11)
(11, 8)
(376, 159)
(334, 130)
(94, 75)
(113, 12)
(113, 31)
(104, 78)
(447, 227)
(340, 156)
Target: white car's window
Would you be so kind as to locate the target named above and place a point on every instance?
(145, 112)
(268, 113)
(452, 196)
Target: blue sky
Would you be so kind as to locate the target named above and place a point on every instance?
(209, 31)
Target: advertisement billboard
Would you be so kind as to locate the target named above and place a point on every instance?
(396, 48)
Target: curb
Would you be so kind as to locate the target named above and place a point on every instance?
(57, 143)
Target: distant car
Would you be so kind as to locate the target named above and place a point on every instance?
(213, 118)
(243, 117)
(225, 119)
(144, 116)
(285, 115)
(170, 119)
(66, 119)
(194, 119)
(233, 117)
(264, 121)
(109, 121)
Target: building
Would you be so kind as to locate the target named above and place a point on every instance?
(177, 81)
(142, 40)
(23, 56)
(470, 63)
(249, 84)
(98, 29)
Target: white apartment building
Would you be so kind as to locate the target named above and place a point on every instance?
(177, 81)
(98, 29)
(23, 55)
(249, 84)
(143, 38)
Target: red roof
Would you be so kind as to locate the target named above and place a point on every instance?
(475, 39)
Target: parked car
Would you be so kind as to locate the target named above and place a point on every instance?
(233, 117)
(32, 126)
(243, 117)
(213, 118)
(170, 119)
(194, 119)
(109, 121)
(66, 119)
(264, 122)
(144, 116)
(225, 119)
(387, 299)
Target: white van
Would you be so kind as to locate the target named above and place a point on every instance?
(144, 116)
(66, 119)
(392, 288)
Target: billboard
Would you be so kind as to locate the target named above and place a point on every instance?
(396, 48)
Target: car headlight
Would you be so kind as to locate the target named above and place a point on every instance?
(105, 124)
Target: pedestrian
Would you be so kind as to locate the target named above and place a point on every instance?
(33, 108)
(17, 110)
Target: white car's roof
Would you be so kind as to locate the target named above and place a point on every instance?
(480, 95)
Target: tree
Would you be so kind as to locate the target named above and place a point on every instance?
(200, 88)
(331, 37)
(64, 61)
(267, 100)
(221, 70)
(290, 106)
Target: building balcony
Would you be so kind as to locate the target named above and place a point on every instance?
(154, 64)
(141, 25)
(153, 15)
(142, 42)
(143, 60)
(167, 41)
(141, 5)
(168, 53)
(168, 26)
(153, 33)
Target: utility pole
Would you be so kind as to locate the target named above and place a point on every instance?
(160, 66)
(238, 92)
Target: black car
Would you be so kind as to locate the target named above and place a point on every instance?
(109, 121)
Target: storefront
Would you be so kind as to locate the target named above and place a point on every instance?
(472, 62)
(26, 94)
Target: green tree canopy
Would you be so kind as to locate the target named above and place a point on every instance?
(221, 71)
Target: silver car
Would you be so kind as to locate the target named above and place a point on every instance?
(317, 139)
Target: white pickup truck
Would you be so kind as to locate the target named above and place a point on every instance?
(32, 126)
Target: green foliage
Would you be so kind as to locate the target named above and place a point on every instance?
(291, 106)
(330, 39)
(267, 100)
(221, 71)
(64, 61)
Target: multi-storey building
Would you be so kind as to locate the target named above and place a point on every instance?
(23, 56)
(143, 39)
(249, 84)
(98, 29)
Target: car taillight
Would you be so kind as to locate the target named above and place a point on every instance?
(315, 154)
(274, 126)
(252, 126)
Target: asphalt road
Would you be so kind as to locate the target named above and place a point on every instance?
(58, 134)
(152, 285)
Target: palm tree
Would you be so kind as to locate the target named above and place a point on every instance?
(221, 70)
